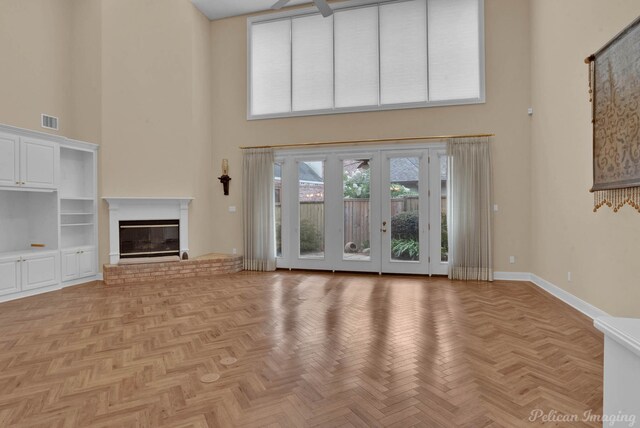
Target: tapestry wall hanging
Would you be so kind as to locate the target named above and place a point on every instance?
(614, 86)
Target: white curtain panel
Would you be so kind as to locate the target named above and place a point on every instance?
(258, 210)
(469, 211)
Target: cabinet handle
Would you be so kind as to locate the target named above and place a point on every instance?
(18, 183)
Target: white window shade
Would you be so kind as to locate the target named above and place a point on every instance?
(403, 52)
(356, 57)
(454, 60)
(312, 62)
(387, 55)
(271, 67)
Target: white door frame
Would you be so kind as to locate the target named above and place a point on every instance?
(388, 265)
(333, 200)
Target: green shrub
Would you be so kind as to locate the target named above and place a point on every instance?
(310, 238)
(444, 239)
(357, 184)
(398, 190)
(405, 225)
(405, 249)
(278, 239)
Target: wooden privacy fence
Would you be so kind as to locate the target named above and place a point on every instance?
(356, 216)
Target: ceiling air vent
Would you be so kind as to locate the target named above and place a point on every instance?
(49, 122)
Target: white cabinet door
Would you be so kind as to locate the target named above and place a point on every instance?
(9, 160)
(70, 265)
(9, 275)
(40, 270)
(39, 163)
(86, 262)
(78, 263)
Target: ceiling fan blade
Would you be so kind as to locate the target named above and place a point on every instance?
(279, 4)
(323, 7)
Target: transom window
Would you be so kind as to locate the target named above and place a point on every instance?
(388, 55)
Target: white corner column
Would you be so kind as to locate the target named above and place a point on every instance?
(621, 370)
(184, 231)
(114, 225)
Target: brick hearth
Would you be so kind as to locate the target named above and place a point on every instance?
(210, 264)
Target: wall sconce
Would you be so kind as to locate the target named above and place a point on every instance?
(225, 179)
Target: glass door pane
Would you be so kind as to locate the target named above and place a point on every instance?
(438, 233)
(311, 208)
(404, 189)
(277, 198)
(356, 185)
(405, 214)
(444, 235)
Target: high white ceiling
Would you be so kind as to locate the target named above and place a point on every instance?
(217, 9)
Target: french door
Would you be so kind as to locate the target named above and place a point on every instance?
(381, 210)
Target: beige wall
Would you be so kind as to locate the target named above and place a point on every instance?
(35, 38)
(132, 76)
(156, 135)
(85, 115)
(505, 113)
(600, 249)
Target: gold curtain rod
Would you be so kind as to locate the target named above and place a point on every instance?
(372, 140)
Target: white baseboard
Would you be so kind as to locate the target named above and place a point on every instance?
(575, 302)
(29, 293)
(97, 277)
(512, 276)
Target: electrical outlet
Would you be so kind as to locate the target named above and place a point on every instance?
(569, 277)
(495, 207)
(512, 259)
(232, 209)
(235, 251)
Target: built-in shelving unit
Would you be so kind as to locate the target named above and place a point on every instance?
(48, 212)
(78, 213)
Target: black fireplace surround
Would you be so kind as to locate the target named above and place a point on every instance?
(149, 238)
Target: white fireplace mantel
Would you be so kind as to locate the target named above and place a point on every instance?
(121, 209)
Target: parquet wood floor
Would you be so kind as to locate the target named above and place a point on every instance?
(313, 349)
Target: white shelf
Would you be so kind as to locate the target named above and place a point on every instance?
(76, 213)
(76, 224)
(76, 247)
(26, 189)
(27, 252)
(76, 198)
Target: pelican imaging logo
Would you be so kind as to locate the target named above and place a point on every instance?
(618, 419)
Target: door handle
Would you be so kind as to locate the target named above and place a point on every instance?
(384, 226)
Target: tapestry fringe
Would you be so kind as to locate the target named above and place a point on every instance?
(617, 198)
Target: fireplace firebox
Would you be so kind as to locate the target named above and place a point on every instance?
(149, 238)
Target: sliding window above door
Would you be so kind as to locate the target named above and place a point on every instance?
(372, 210)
